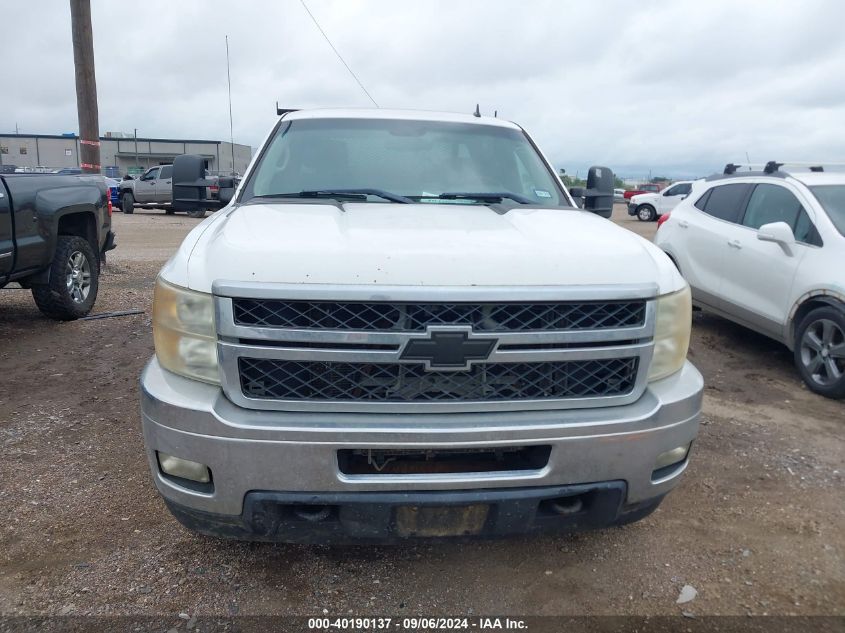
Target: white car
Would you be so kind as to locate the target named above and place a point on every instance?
(766, 250)
(650, 206)
(399, 326)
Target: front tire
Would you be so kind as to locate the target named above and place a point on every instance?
(127, 204)
(820, 351)
(646, 213)
(196, 213)
(74, 281)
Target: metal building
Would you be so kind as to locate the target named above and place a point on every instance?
(118, 154)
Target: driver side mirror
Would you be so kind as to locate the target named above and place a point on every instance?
(598, 197)
(780, 233)
(577, 194)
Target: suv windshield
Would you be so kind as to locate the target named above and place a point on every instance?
(832, 198)
(417, 160)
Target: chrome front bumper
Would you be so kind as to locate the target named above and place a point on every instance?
(294, 452)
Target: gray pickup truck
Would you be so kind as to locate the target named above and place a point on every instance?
(154, 188)
(55, 231)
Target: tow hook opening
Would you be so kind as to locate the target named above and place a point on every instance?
(566, 506)
(312, 513)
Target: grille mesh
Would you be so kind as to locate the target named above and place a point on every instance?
(359, 382)
(414, 317)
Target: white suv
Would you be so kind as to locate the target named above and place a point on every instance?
(765, 249)
(650, 206)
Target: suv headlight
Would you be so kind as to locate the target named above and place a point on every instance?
(184, 332)
(673, 321)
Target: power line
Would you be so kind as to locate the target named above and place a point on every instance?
(354, 76)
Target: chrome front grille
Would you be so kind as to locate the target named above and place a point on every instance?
(359, 348)
(416, 317)
(309, 381)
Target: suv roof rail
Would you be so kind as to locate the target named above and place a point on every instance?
(773, 168)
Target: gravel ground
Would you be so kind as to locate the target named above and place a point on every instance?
(755, 527)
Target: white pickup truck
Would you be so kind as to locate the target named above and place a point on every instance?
(400, 326)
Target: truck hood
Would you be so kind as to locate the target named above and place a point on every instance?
(416, 245)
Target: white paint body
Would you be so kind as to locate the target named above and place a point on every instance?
(756, 283)
(664, 201)
(414, 244)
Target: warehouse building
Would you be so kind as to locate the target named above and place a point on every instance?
(119, 153)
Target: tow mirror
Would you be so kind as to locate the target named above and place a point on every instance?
(577, 194)
(226, 191)
(598, 197)
(189, 184)
(780, 233)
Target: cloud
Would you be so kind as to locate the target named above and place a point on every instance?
(679, 88)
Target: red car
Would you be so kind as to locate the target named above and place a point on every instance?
(644, 188)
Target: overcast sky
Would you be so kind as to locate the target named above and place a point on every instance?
(679, 88)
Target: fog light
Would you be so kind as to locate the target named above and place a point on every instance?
(184, 468)
(672, 457)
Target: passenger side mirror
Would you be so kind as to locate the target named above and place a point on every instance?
(780, 233)
(598, 197)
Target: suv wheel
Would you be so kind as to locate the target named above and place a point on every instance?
(646, 213)
(196, 213)
(820, 351)
(127, 203)
(74, 281)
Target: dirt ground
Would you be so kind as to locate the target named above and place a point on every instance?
(757, 525)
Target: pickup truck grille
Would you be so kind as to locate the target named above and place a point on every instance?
(303, 347)
(416, 317)
(370, 382)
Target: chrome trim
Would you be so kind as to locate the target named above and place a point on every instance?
(632, 341)
(432, 294)
(231, 352)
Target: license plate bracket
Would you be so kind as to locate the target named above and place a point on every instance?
(435, 521)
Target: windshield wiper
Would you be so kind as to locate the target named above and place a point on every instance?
(490, 196)
(356, 194)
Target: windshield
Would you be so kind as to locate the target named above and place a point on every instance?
(418, 160)
(832, 198)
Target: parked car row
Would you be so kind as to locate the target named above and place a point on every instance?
(765, 249)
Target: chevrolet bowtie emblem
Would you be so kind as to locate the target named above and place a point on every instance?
(448, 348)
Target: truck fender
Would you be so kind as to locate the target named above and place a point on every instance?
(54, 205)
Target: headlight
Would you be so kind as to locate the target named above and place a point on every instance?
(671, 333)
(184, 332)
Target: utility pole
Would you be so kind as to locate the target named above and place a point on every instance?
(137, 165)
(86, 86)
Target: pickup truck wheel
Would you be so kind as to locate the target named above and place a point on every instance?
(169, 211)
(820, 351)
(74, 281)
(646, 213)
(196, 213)
(127, 203)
